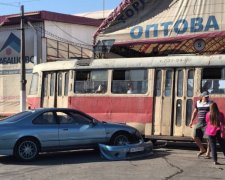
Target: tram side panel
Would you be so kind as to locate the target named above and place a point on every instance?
(134, 111)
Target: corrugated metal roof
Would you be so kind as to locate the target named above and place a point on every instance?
(39, 16)
(112, 16)
(96, 15)
(142, 28)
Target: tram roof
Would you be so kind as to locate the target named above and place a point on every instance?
(119, 63)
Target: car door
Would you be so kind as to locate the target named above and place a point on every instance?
(46, 128)
(78, 129)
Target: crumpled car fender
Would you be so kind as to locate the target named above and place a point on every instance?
(128, 151)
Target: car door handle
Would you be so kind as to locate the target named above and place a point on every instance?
(65, 129)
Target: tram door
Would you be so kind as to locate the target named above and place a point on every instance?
(183, 102)
(55, 89)
(173, 95)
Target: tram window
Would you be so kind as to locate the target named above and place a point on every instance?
(45, 83)
(190, 83)
(34, 84)
(94, 81)
(212, 73)
(213, 80)
(188, 111)
(158, 82)
(178, 112)
(180, 83)
(60, 84)
(129, 82)
(168, 84)
(66, 84)
(52, 84)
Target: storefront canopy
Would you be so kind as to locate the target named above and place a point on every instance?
(150, 27)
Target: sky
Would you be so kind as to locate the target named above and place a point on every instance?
(60, 6)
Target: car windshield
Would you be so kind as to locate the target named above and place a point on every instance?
(16, 117)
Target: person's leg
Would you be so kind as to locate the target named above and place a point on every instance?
(199, 144)
(207, 154)
(208, 150)
(221, 141)
(197, 136)
(212, 141)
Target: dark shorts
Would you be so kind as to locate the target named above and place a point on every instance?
(199, 131)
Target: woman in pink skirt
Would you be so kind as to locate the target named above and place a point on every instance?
(215, 129)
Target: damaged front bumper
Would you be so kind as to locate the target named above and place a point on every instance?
(128, 151)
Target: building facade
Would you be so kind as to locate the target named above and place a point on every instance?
(49, 36)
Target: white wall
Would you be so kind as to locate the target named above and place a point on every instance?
(71, 32)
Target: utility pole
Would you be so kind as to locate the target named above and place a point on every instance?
(103, 9)
(22, 62)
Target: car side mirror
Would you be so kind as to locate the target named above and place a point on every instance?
(94, 122)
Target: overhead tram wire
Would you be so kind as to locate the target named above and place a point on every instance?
(9, 4)
(71, 35)
(82, 44)
(17, 3)
(76, 45)
(40, 29)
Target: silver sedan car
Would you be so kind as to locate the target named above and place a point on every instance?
(54, 129)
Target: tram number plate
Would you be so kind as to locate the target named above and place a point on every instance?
(136, 149)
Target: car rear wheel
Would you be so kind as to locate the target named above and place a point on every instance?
(27, 150)
(120, 139)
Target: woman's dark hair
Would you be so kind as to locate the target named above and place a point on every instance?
(214, 114)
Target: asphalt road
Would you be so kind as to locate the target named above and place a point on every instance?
(170, 161)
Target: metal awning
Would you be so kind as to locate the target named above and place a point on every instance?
(153, 27)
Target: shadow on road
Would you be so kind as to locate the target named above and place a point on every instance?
(70, 157)
(161, 149)
(57, 158)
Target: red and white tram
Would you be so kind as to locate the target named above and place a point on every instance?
(153, 94)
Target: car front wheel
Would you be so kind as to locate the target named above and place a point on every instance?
(120, 139)
(27, 150)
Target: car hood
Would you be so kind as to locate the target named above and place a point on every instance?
(5, 123)
(117, 125)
